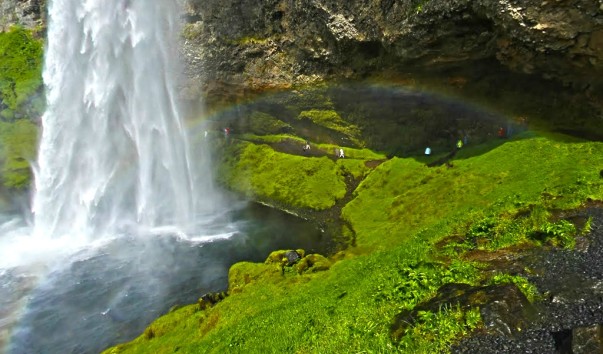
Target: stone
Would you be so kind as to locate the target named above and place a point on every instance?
(26, 13)
(292, 257)
(210, 299)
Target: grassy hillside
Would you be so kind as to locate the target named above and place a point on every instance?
(491, 196)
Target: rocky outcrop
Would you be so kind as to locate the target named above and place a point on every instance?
(277, 43)
(570, 311)
(27, 13)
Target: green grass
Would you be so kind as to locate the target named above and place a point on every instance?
(264, 123)
(272, 138)
(18, 142)
(401, 210)
(301, 182)
(332, 120)
(513, 175)
(352, 153)
(21, 57)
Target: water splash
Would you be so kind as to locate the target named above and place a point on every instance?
(114, 153)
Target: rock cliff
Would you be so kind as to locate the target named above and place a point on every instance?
(28, 13)
(279, 43)
(231, 47)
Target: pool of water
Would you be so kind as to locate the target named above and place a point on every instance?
(108, 293)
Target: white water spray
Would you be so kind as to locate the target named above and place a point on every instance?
(113, 154)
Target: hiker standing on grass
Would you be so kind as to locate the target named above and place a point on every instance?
(341, 155)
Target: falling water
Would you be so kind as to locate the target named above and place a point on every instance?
(114, 165)
(113, 154)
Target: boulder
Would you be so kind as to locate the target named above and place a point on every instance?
(210, 299)
(313, 263)
(285, 257)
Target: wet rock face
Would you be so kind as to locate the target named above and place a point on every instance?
(279, 43)
(27, 13)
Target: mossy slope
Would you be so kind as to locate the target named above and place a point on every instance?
(21, 102)
(403, 195)
(400, 211)
(261, 172)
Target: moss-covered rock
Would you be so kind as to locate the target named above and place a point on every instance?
(313, 263)
(263, 123)
(20, 74)
(332, 120)
(285, 257)
(260, 172)
(21, 101)
(17, 149)
(210, 299)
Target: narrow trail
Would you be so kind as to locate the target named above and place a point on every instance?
(330, 220)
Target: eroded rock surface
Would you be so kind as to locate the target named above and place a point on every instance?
(27, 13)
(279, 43)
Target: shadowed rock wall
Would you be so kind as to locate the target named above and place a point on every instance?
(278, 43)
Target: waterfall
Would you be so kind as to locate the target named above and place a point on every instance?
(113, 153)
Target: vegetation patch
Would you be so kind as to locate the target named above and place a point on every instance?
(21, 101)
(17, 149)
(332, 120)
(264, 123)
(402, 195)
(21, 56)
(302, 182)
(489, 202)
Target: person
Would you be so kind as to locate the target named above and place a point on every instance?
(501, 132)
(427, 151)
(341, 155)
(307, 146)
(459, 144)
